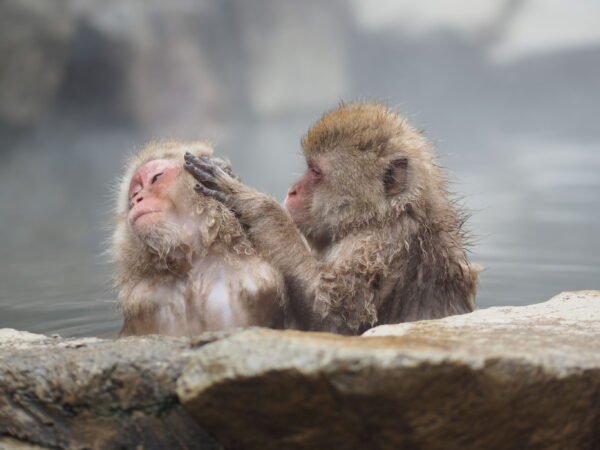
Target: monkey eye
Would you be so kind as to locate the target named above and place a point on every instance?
(314, 170)
(155, 177)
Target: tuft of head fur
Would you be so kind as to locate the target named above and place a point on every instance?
(166, 249)
(359, 127)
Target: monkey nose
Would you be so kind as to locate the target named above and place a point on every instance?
(291, 192)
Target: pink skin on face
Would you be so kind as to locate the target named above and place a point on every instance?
(297, 200)
(294, 200)
(148, 199)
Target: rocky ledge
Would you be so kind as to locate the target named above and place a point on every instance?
(508, 377)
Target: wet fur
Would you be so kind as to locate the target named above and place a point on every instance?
(386, 241)
(165, 279)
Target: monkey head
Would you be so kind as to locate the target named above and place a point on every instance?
(158, 214)
(365, 166)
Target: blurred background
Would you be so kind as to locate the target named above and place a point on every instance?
(508, 91)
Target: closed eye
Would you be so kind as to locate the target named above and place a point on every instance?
(314, 170)
(155, 177)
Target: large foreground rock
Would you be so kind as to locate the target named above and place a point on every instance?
(89, 393)
(510, 378)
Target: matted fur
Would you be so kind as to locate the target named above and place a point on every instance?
(216, 223)
(387, 242)
(416, 236)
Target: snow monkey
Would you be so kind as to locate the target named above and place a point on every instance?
(183, 262)
(385, 240)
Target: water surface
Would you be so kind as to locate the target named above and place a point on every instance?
(518, 135)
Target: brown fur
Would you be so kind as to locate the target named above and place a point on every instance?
(386, 241)
(165, 281)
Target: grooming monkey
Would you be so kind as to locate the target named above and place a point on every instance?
(386, 241)
(184, 264)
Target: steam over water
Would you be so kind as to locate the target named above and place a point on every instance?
(513, 119)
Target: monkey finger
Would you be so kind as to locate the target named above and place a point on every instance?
(210, 166)
(225, 166)
(199, 173)
(221, 173)
(202, 163)
(219, 196)
(190, 159)
(229, 172)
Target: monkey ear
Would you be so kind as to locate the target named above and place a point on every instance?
(395, 179)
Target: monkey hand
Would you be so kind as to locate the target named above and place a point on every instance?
(213, 181)
(226, 166)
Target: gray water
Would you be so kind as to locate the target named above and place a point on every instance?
(519, 138)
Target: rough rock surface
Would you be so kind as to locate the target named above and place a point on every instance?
(522, 377)
(34, 41)
(525, 377)
(91, 393)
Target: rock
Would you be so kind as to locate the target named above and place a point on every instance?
(556, 333)
(576, 311)
(169, 67)
(91, 393)
(10, 337)
(510, 378)
(13, 444)
(35, 39)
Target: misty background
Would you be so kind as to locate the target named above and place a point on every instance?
(507, 90)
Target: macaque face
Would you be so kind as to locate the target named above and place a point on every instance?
(150, 202)
(343, 188)
(299, 197)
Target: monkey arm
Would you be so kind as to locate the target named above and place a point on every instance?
(342, 296)
(271, 230)
(336, 297)
(275, 236)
